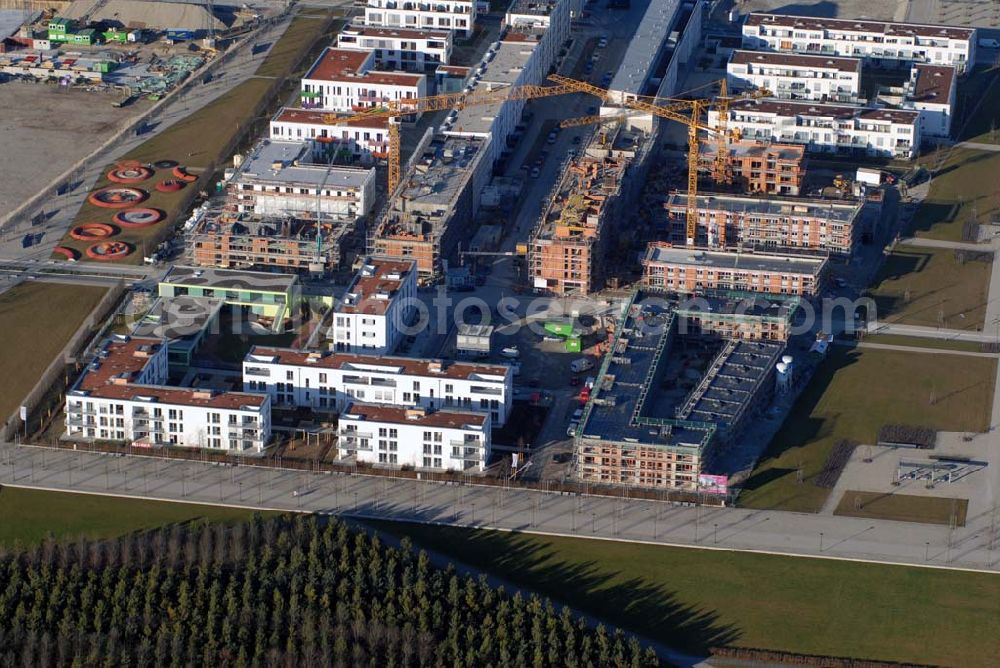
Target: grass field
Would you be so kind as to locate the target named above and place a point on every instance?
(930, 287)
(853, 393)
(693, 599)
(962, 188)
(921, 342)
(979, 93)
(36, 321)
(299, 37)
(28, 516)
(903, 508)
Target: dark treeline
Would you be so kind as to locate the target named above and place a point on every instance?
(276, 592)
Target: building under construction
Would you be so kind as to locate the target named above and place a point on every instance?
(671, 396)
(776, 169)
(571, 239)
(283, 212)
(769, 224)
(432, 211)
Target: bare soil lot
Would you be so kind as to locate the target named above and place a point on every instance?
(44, 130)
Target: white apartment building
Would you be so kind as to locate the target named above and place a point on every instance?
(521, 57)
(931, 90)
(329, 382)
(398, 48)
(374, 310)
(392, 436)
(275, 180)
(365, 139)
(793, 76)
(827, 128)
(883, 44)
(121, 396)
(346, 80)
(458, 16)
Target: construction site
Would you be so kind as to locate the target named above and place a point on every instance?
(281, 211)
(429, 215)
(571, 237)
(675, 389)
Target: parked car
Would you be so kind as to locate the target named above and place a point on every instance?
(574, 381)
(511, 352)
(602, 43)
(577, 414)
(535, 172)
(571, 430)
(577, 139)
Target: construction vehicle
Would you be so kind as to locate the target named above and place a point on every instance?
(394, 110)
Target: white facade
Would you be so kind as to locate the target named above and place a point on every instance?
(273, 182)
(410, 50)
(457, 16)
(796, 77)
(522, 57)
(345, 80)
(439, 440)
(931, 90)
(373, 313)
(880, 43)
(365, 140)
(121, 397)
(827, 128)
(331, 381)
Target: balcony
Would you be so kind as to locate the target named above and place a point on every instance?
(80, 422)
(353, 443)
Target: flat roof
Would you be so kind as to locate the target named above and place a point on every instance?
(731, 260)
(619, 410)
(508, 61)
(335, 64)
(441, 170)
(860, 25)
(333, 120)
(403, 33)
(280, 161)
(789, 108)
(231, 279)
(533, 7)
(378, 364)
(178, 317)
(830, 210)
(380, 413)
(645, 46)
(121, 359)
(933, 83)
(798, 60)
(180, 396)
(375, 285)
(476, 330)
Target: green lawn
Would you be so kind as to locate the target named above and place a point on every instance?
(36, 321)
(693, 599)
(962, 188)
(978, 107)
(922, 342)
(298, 38)
(855, 392)
(932, 288)
(903, 507)
(28, 515)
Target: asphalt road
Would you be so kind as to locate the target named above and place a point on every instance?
(610, 518)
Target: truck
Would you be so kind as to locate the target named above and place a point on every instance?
(580, 365)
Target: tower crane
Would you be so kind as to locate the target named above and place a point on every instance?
(396, 109)
(671, 112)
(674, 111)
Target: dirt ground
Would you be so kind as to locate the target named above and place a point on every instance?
(49, 129)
